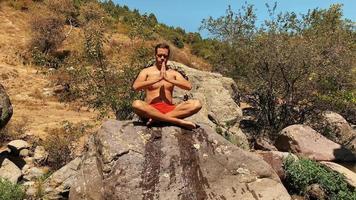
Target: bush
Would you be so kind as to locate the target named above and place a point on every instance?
(10, 191)
(288, 63)
(302, 173)
(60, 143)
(47, 35)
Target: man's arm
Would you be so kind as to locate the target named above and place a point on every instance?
(141, 81)
(179, 81)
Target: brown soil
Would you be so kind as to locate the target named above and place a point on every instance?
(28, 89)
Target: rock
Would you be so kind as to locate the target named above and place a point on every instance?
(17, 145)
(29, 161)
(315, 191)
(24, 152)
(126, 160)
(60, 181)
(350, 176)
(40, 154)
(275, 160)
(303, 140)
(6, 110)
(34, 173)
(264, 145)
(337, 127)
(4, 150)
(219, 98)
(9, 170)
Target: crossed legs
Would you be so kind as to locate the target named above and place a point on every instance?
(176, 116)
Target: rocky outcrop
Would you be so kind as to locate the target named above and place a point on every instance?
(5, 107)
(338, 128)
(58, 184)
(304, 141)
(126, 160)
(219, 98)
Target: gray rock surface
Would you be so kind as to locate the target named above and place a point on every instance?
(125, 160)
(305, 141)
(61, 180)
(219, 99)
(9, 171)
(6, 110)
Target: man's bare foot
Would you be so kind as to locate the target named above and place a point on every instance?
(188, 124)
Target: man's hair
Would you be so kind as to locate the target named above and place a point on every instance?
(162, 46)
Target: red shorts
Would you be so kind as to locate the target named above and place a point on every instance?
(163, 107)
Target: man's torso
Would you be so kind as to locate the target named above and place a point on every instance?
(162, 90)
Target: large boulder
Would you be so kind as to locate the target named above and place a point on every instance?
(5, 107)
(337, 128)
(126, 160)
(305, 141)
(219, 98)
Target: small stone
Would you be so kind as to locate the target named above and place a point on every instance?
(29, 160)
(25, 168)
(197, 146)
(16, 145)
(41, 154)
(4, 150)
(24, 152)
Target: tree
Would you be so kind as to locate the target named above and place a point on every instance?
(286, 63)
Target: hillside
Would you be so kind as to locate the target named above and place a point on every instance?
(30, 87)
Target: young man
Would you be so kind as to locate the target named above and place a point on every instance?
(158, 82)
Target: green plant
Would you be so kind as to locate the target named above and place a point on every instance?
(10, 191)
(302, 173)
(287, 63)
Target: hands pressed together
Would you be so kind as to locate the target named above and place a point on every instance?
(163, 73)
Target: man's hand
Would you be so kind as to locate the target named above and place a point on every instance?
(164, 72)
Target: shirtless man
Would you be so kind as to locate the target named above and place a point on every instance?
(158, 82)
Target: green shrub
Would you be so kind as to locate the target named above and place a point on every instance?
(10, 191)
(302, 173)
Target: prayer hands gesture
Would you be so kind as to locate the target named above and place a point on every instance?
(163, 73)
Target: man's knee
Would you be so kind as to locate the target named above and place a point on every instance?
(196, 105)
(137, 105)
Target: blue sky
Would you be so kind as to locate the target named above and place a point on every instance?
(188, 14)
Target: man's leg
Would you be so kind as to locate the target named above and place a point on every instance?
(143, 109)
(185, 109)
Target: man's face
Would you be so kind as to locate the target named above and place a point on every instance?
(161, 56)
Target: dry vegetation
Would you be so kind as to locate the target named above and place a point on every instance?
(31, 87)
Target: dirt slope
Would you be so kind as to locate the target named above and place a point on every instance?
(29, 90)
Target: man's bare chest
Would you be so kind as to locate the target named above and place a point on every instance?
(162, 83)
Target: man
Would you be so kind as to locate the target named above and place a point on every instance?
(158, 82)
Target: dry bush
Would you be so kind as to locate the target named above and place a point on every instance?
(63, 7)
(61, 143)
(20, 4)
(13, 130)
(91, 12)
